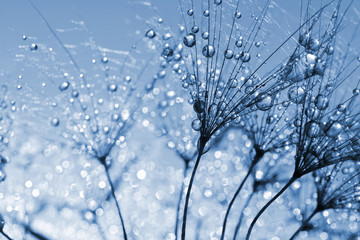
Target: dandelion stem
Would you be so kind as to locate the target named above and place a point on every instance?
(233, 200)
(5, 235)
(304, 224)
(267, 205)
(202, 143)
(186, 168)
(237, 228)
(116, 202)
(259, 154)
(37, 235)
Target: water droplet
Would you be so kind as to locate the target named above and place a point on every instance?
(2, 178)
(294, 137)
(190, 40)
(24, 37)
(196, 124)
(228, 54)
(217, 2)
(150, 34)
(208, 51)
(334, 129)
(296, 94)
(257, 44)
(112, 87)
(312, 129)
(329, 50)
(65, 85)
(190, 12)
(199, 106)
(246, 57)
(205, 35)
(265, 102)
(55, 122)
(239, 43)
(321, 102)
(206, 13)
(33, 47)
(75, 94)
(356, 92)
(195, 29)
(238, 15)
(104, 59)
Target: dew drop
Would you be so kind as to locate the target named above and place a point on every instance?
(246, 57)
(112, 87)
(321, 102)
(312, 129)
(190, 40)
(265, 102)
(150, 34)
(199, 106)
(104, 59)
(208, 51)
(33, 47)
(296, 94)
(228, 54)
(334, 129)
(238, 43)
(55, 122)
(217, 2)
(190, 12)
(64, 86)
(196, 124)
(237, 15)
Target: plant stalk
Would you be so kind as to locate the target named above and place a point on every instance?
(237, 228)
(233, 200)
(304, 224)
(5, 235)
(116, 202)
(267, 205)
(187, 198)
(186, 168)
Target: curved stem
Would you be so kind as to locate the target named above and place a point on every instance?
(233, 200)
(304, 224)
(179, 201)
(5, 235)
(116, 202)
(187, 198)
(237, 228)
(267, 205)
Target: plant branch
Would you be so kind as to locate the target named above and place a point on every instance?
(304, 224)
(267, 205)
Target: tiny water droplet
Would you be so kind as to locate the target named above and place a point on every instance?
(150, 34)
(33, 47)
(55, 122)
(64, 86)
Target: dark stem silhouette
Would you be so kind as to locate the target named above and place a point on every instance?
(259, 154)
(202, 142)
(186, 168)
(237, 228)
(304, 223)
(267, 205)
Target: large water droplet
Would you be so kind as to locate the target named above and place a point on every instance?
(190, 40)
(321, 102)
(334, 129)
(208, 51)
(199, 106)
(312, 129)
(265, 102)
(296, 94)
(196, 124)
(246, 57)
(228, 54)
